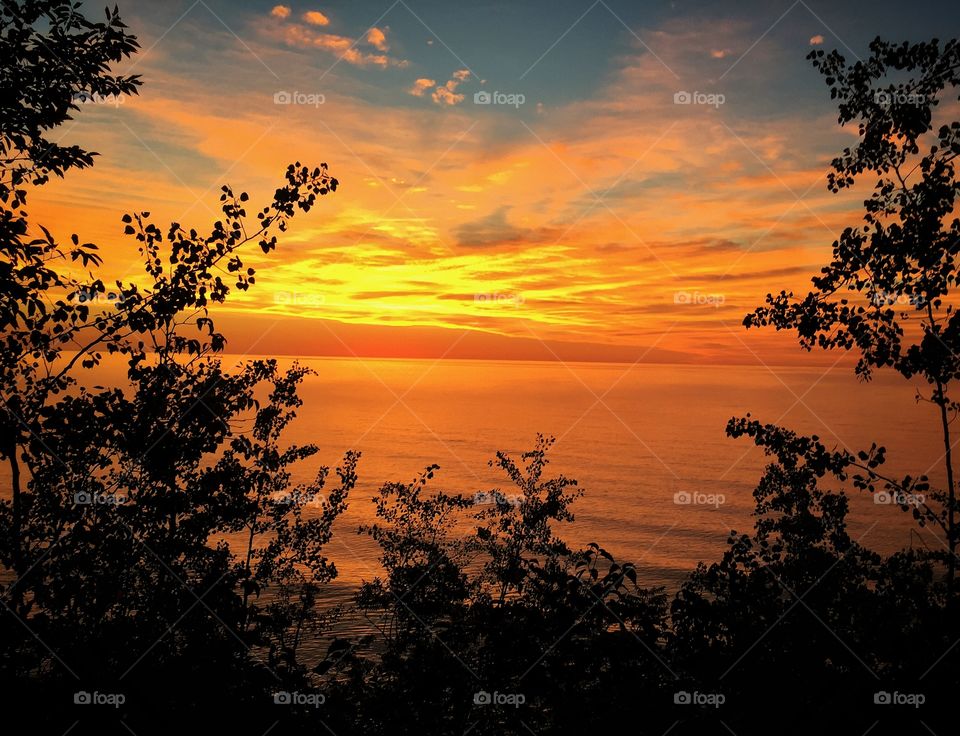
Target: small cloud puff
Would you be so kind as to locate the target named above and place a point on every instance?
(421, 86)
(280, 11)
(720, 53)
(315, 18)
(446, 93)
(377, 38)
(816, 40)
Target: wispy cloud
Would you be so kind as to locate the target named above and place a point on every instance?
(345, 47)
(496, 230)
(598, 213)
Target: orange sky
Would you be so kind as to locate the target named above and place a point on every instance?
(596, 220)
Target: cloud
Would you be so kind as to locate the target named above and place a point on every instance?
(816, 40)
(314, 18)
(720, 53)
(301, 37)
(694, 211)
(378, 39)
(446, 93)
(421, 86)
(495, 229)
(304, 36)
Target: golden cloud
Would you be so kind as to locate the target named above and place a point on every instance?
(315, 18)
(421, 86)
(378, 39)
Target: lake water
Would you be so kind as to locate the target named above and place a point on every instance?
(632, 435)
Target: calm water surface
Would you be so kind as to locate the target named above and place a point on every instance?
(633, 436)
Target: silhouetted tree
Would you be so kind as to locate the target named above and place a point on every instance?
(122, 499)
(903, 258)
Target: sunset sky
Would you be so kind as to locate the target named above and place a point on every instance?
(581, 214)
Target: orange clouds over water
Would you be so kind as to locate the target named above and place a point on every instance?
(612, 224)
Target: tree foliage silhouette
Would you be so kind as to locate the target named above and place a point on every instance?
(886, 293)
(123, 499)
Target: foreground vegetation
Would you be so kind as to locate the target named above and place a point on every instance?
(123, 603)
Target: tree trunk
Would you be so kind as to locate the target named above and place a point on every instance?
(951, 490)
